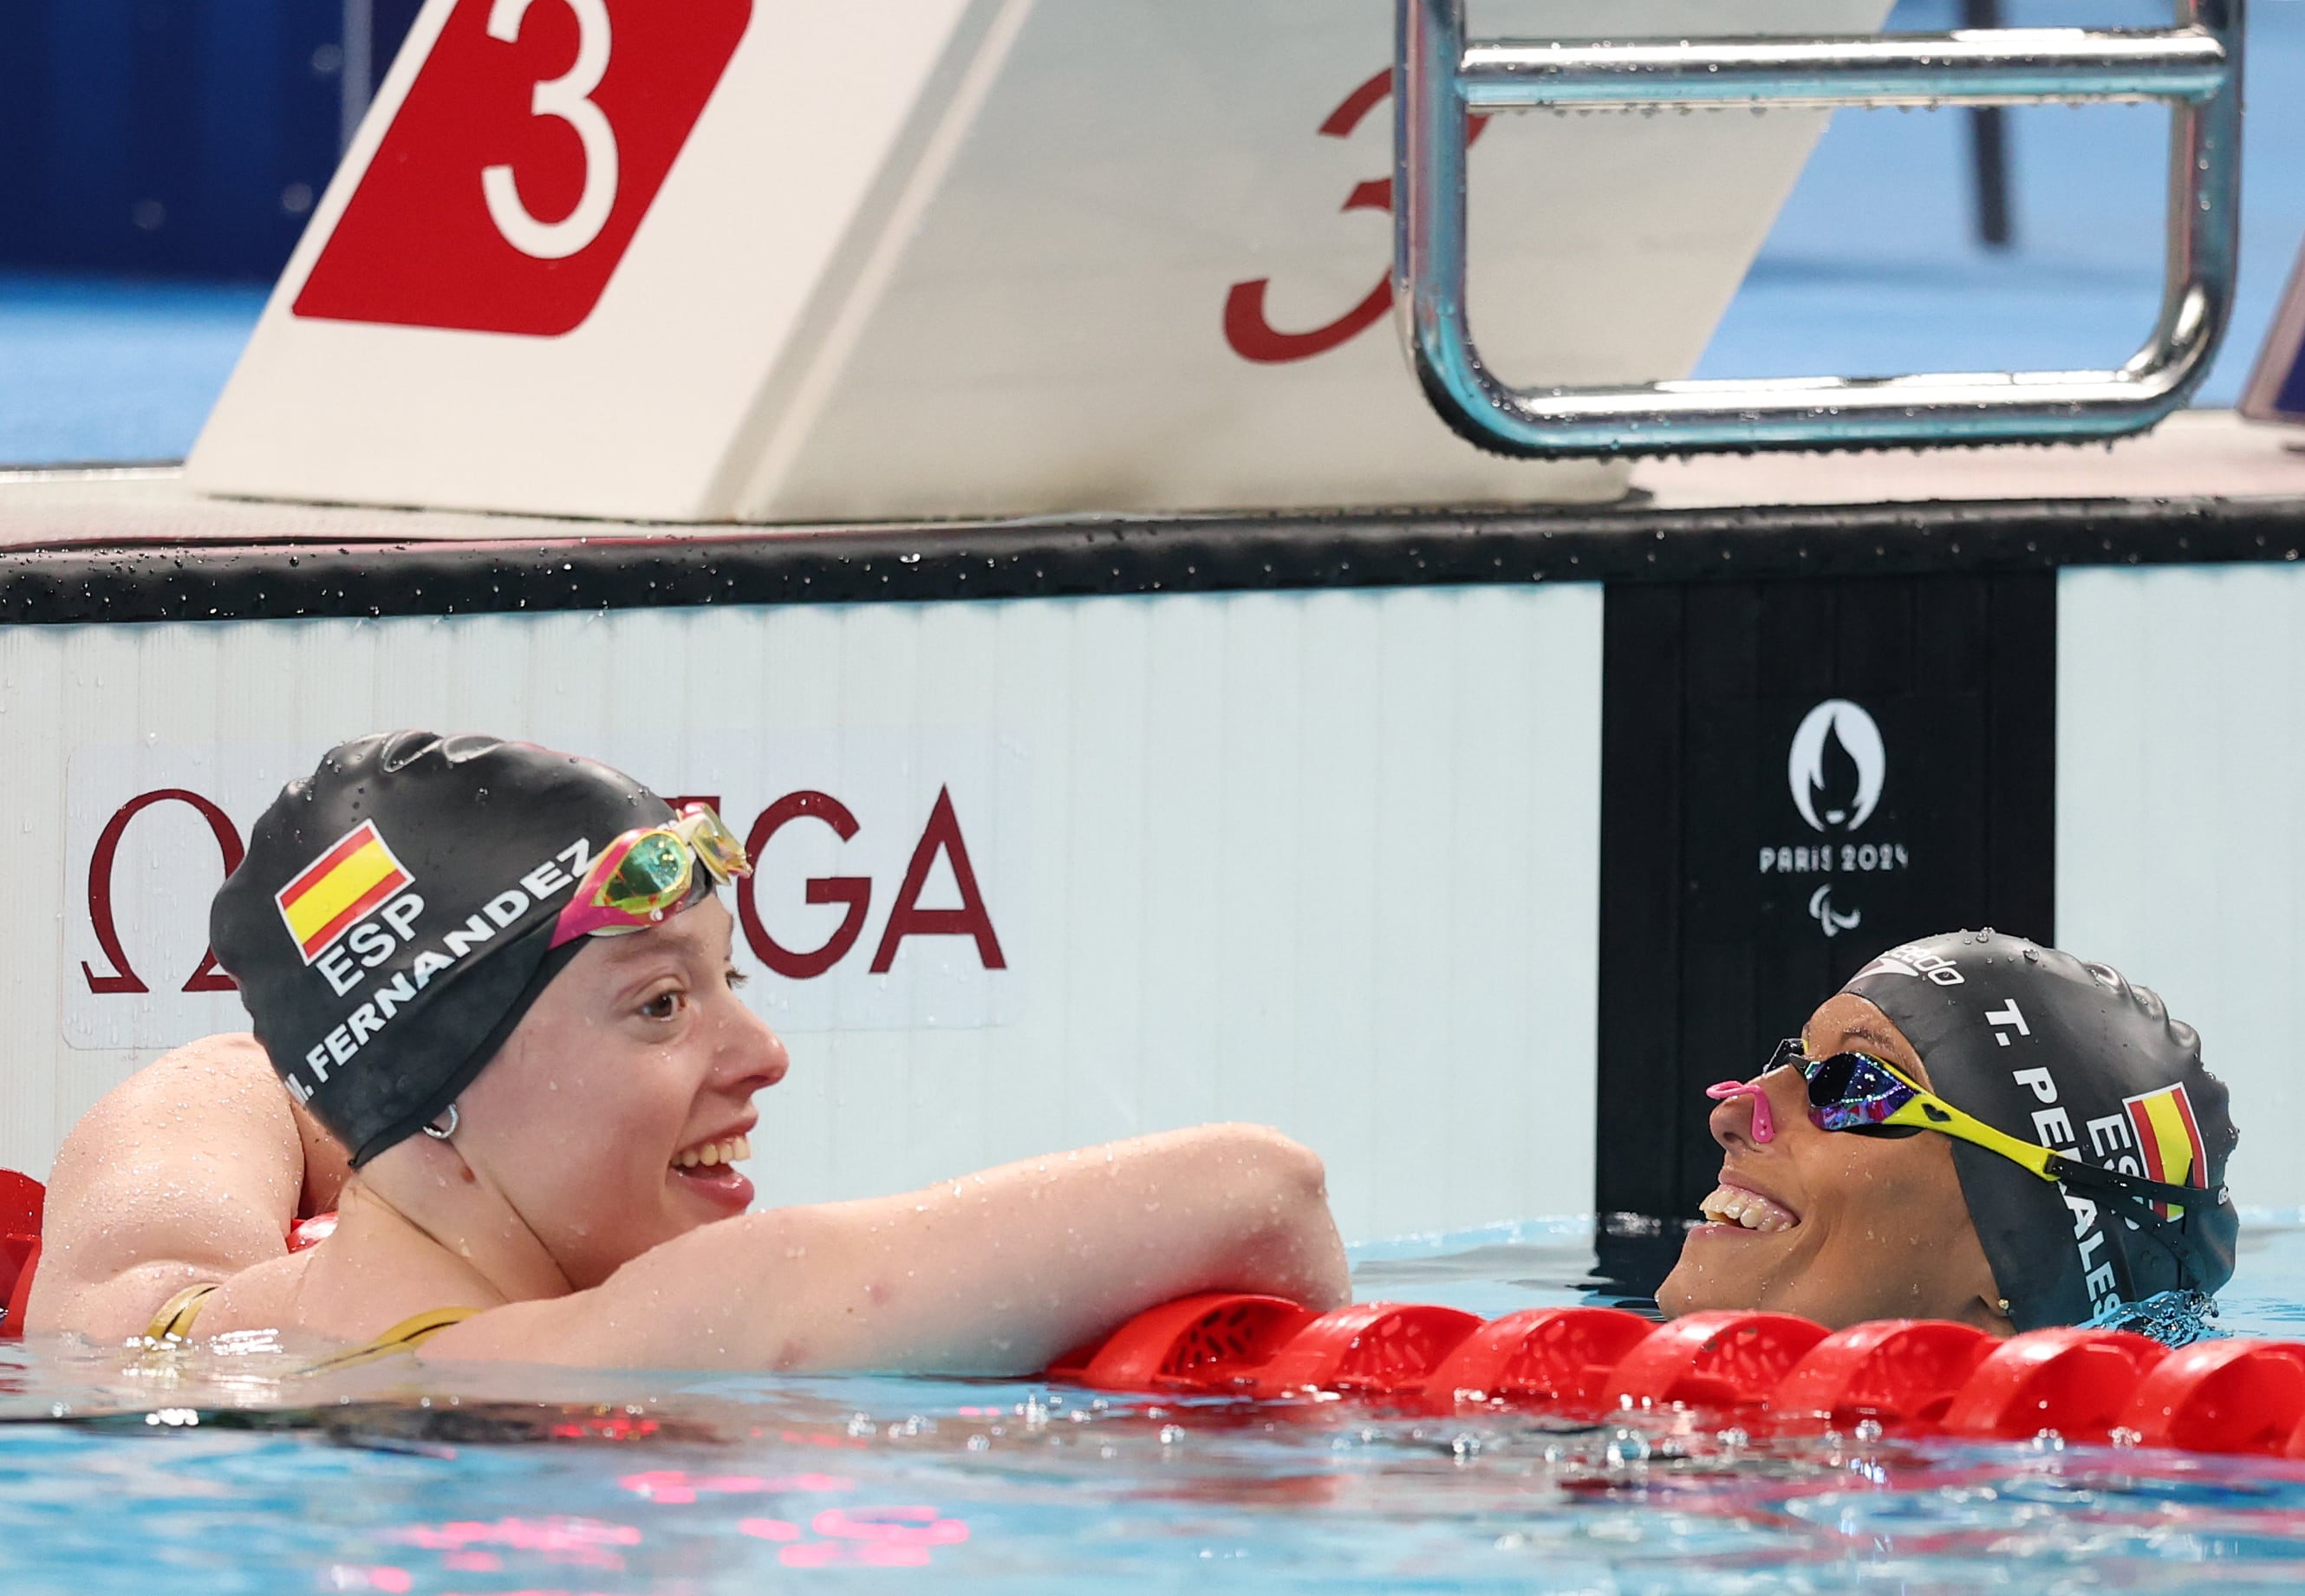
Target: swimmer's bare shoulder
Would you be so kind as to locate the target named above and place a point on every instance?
(191, 1171)
(999, 1272)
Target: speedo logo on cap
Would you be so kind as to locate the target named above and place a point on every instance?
(355, 877)
(1914, 961)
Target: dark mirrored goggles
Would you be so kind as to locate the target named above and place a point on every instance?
(1856, 1091)
(1851, 1091)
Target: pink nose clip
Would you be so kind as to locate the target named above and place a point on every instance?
(1765, 1128)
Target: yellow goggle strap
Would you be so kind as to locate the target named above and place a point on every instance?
(1931, 1113)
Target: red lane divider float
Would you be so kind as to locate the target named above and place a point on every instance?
(1558, 1356)
(1200, 1344)
(1368, 1349)
(1770, 1372)
(22, 1199)
(1711, 1360)
(2223, 1396)
(1894, 1372)
(2076, 1382)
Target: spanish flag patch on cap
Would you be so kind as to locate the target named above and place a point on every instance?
(2169, 1139)
(351, 880)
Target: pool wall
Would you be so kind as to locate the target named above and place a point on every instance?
(1316, 820)
(2181, 819)
(1321, 859)
(1797, 775)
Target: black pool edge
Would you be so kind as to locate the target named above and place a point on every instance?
(1044, 559)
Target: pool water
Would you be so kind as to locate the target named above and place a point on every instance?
(219, 1470)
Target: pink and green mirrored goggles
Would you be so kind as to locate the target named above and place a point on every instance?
(646, 874)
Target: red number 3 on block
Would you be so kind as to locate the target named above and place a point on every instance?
(1255, 338)
(529, 148)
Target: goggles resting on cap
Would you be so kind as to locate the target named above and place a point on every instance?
(645, 874)
(1856, 1091)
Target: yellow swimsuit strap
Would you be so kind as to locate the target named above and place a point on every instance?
(173, 1321)
(408, 1335)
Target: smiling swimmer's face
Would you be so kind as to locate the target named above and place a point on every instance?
(1836, 1227)
(633, 1068)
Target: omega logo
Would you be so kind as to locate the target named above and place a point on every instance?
(940, 838)
(906, 918)
(207, 977)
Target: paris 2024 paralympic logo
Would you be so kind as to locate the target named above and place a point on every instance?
(1836, 769)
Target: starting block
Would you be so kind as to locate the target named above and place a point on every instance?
(763, 260)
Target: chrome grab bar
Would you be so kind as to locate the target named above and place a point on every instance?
(2195, 67)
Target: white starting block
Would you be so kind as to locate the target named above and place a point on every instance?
(769, 260)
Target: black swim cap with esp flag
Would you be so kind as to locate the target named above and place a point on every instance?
(392, 920)
(2069, 1056)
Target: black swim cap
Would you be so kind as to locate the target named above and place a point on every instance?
(2068, 1055)
(392, 920)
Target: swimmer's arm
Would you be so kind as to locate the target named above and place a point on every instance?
(192, 1170)
(997, 1273)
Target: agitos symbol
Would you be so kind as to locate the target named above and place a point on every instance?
(516, 173)
(1253, 336)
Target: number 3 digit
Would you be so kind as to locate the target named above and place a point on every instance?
(569, 98)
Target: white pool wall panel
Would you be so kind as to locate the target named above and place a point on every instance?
(2181, 802)
(1325, 861)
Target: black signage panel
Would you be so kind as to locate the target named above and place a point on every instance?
(1795, 777)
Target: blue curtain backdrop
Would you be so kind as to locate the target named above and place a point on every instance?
(175, 137)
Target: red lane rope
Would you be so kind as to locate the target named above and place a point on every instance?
(1771, 1374)
(22, 1201)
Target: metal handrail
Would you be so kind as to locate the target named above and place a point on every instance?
(2195, 67)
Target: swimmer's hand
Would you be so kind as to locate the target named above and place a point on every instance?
(995, 1273)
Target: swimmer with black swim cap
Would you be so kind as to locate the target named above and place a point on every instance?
(1976, 1128)
(500, 980)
